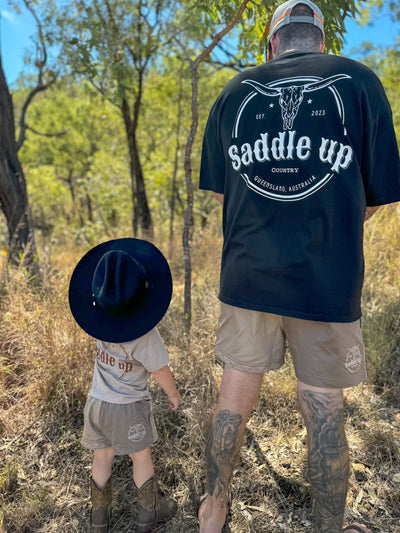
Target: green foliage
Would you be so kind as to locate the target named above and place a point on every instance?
(79, 175)
(253, 28)
(79, 181)
(115, 44)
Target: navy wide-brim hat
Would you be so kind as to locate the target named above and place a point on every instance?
(120, 290)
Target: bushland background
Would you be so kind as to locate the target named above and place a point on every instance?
(83, 187)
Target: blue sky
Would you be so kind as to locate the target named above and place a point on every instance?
(16, 31)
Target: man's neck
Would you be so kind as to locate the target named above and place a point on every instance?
(294, 50)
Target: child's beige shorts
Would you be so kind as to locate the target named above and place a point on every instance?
(325, 354)
(128, 428)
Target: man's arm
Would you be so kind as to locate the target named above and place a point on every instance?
(370, 211)
(219, 196)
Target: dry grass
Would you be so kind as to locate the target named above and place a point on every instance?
(46, 366)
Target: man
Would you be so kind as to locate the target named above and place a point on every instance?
(300, 151)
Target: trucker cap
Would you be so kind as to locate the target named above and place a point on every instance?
(283, 16)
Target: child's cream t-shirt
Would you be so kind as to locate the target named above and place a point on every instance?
(121, 370)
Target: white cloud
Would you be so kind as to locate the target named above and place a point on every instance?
(8, 15)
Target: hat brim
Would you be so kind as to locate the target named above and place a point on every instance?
(139, 320)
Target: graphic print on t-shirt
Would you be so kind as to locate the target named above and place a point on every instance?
(107, 360)
(289, 165)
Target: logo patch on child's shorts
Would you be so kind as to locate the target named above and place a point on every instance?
(136, 433)
(354, 358)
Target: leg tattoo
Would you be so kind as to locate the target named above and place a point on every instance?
(328, 456)
(222, 450)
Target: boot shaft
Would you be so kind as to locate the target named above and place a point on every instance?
(148, 494)
(153, 507)
(101, 507)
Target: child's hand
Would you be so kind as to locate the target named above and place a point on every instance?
(174, 401)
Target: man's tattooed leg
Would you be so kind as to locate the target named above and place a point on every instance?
(328, 456)
(222, 450)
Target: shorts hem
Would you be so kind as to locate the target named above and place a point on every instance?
(95, 446)
(245, 367)
(323, 383)
(118, 451)
(128, 452)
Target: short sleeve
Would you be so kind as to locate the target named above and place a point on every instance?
(212, 170)
(381, 162)
(150, 351)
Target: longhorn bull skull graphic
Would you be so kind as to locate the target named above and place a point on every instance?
(291, 97)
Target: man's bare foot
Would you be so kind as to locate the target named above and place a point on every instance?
(212, 514)
(357, 528)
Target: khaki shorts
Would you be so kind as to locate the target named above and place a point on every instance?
(128, 428)
(325, 354)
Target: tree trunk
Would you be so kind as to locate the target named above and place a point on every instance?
(89, 205)
(13, 193)
(144, 214)
(188, 218)
(76, 204)
(141, 212)
(175, 171)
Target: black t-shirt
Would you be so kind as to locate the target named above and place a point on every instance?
(299, 147)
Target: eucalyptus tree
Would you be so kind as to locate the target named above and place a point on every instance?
(13, 191)
(114, 44)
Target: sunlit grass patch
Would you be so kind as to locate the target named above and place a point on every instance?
(46, 365)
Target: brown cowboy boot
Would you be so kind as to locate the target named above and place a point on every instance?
(153, 507)
(100, 515)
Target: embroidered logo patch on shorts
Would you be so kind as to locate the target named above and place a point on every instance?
(136, 433)
(354, 358)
